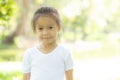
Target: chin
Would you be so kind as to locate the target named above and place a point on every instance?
(48, 43)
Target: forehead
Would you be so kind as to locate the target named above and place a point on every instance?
(45, 21)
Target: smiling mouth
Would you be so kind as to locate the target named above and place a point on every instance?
(47, 38)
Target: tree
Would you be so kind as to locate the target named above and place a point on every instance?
(23, 21)
(7, 11)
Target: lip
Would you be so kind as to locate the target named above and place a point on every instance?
(46, 38)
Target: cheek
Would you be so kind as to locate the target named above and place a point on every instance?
(38, 33)
(56, 34)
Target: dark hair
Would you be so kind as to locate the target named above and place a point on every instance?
(46, 11)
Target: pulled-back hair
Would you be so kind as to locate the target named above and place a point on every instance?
(46, 11)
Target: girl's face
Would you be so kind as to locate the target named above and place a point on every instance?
(47, 30)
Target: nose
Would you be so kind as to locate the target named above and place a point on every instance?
(45, 32)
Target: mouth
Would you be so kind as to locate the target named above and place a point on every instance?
(47, 38)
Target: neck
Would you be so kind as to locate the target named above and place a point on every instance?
(47, 48)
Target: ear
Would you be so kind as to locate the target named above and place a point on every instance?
(60, 27)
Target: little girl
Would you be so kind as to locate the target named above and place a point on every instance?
(48, 60)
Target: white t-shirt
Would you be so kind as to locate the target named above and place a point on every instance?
(49, 66)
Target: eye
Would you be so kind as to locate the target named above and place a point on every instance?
(50, 27)
(40, 28)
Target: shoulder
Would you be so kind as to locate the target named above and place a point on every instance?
(64, 50)
(29, 51)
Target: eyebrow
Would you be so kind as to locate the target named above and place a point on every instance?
(43, 26)
(38, 26)
(50, 25)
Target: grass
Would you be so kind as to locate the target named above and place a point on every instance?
(10, 53)
(106, 51)
(11, 75)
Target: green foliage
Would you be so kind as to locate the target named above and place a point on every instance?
(91, 27)
(7, 9)
(10, 53)
(11, 75)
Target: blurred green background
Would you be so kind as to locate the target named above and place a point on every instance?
(91, 31)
